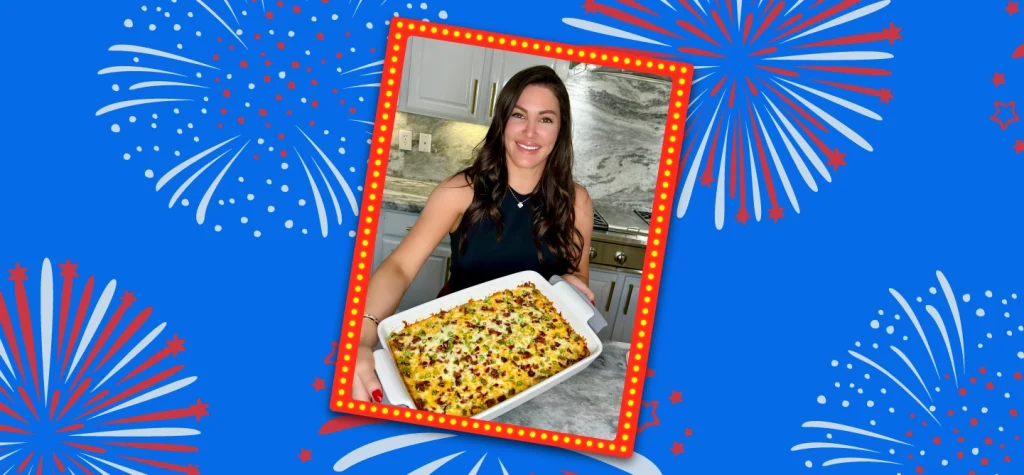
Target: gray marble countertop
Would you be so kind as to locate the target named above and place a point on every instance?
(403, 194)
(586, 404)
(410, 196)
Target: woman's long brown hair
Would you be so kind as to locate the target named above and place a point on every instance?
(554, 212)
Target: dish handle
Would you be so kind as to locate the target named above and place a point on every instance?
(395, 393)
(596, 321)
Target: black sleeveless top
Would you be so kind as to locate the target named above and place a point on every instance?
(487, 258)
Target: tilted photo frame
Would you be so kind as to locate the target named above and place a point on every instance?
(638, 312)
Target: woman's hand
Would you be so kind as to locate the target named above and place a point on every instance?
(365, 384)
(576, 282)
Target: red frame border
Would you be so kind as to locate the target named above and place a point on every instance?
(682, 78)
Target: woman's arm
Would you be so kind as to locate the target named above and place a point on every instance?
(584, 209)
(585, 224)
(392, 279)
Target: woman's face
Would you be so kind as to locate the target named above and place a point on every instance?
(532, 130)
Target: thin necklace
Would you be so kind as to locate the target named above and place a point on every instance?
(517, 199)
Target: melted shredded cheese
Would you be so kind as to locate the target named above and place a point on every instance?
(466, 359)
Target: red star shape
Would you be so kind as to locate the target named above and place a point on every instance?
(677, 448)
(892, 33)
(998, 79)
(1019, 146)
(318, 384)
(649, 373)
(305, 455)
(706, 180)
(676, 397)
(654, 415)
(1011, 7)
(835, 159)
(885, 95)
(199, 409)
(688, 432)
(775, 213)
(17, 273)
(191, 470)
(176, 345)
(67, 269)
(742, 216)
(589, 6)
(128, 298)
(1013, 110)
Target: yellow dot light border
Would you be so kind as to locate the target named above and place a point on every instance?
(344, 350)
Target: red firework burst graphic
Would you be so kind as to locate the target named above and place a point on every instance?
(80, 385)
(776, 86)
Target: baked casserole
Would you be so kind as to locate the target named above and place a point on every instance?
(466, 359)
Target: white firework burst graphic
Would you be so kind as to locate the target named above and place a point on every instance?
(394, 445)
(931, 390)
(253, 116)
(82, 389)
(775, 83)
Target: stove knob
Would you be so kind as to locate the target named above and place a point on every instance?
(620, 257)
(593, 253)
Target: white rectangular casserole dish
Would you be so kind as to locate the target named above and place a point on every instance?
(575, 308)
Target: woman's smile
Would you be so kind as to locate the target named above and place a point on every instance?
(527, 147)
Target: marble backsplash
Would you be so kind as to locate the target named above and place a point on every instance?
(618, 128)
(618, 125)
(452, 145)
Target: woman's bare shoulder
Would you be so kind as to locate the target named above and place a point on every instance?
(456, 191)
(584, 208)
(583, 197)
(459, 181)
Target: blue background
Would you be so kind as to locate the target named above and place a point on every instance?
(750, 316)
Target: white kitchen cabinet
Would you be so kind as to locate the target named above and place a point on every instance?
(460, 82)
(615, 295)
(428, 282)
(443, 79)
(505, 64)
(607, 287)
(626, 310)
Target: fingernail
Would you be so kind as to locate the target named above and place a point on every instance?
(377, 395)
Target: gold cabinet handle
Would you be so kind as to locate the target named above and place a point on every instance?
(494, 89)
(476, 89)
(608, 304)
(629, 295)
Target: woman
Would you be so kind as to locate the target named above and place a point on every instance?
(515, 208)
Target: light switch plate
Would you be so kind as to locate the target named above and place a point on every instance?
(404, 140)
(425, 142)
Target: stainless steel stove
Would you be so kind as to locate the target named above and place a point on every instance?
(620, 237)
(599, 222)
(644, 215)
